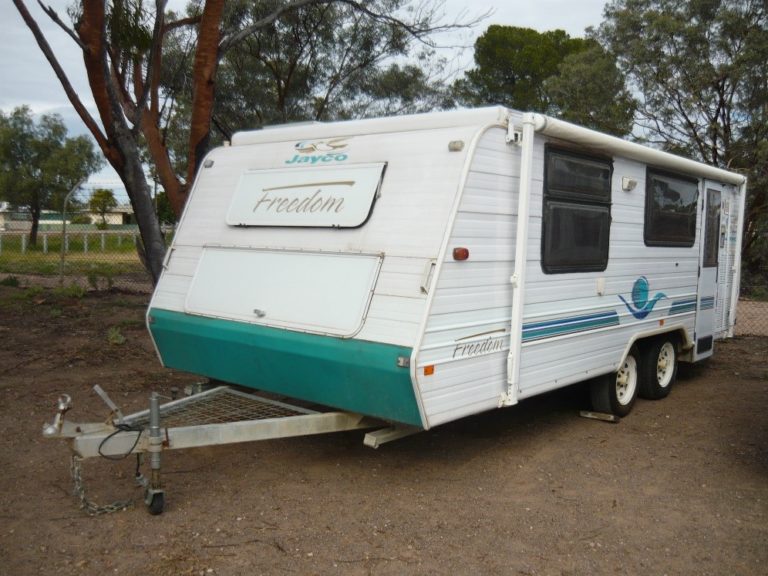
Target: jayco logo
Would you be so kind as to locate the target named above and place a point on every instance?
(641, 306)
(319, 151)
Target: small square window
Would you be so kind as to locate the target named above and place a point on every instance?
(576, 237)
(670, 210)
(578, 177)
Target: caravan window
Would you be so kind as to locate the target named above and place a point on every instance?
(576, 216)
(712, 229)
(670, 209)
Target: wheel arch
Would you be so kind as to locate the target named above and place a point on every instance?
(684, 340)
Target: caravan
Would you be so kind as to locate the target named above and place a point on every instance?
(424, 268)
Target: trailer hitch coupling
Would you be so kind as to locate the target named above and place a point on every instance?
(221, 415)
(54, 428)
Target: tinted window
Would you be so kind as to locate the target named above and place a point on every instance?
(576, 217)
(578, 177)
(670, 210)
(712, 229)
(576, 237)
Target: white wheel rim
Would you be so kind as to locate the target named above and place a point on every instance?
(626, 381)
(665, 364)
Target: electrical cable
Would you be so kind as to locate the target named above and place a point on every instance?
(121, 428)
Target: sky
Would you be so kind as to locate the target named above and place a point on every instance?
(27, 78)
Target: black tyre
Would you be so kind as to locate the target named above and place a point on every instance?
(616, 393)
(157, 504)
(658, 369)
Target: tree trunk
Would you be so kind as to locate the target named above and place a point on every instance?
(132, 175)
(175, 191)
(203, 79)
(119, 145)
(123, 150)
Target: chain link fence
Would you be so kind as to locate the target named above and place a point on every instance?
(83, 248)
(752, 314)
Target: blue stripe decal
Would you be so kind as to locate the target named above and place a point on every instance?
(707, 303)
(680, 306)
(570, 325)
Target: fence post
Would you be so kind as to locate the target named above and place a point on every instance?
(23, 244)
(103, 242)
(66, 243)
(119, 240)
(1, 243)
(85, 243)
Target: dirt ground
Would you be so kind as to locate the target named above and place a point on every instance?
(680, 486)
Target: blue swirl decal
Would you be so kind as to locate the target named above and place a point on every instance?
(641, 306)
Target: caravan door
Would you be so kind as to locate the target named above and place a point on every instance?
(708, 266)
(726, 261)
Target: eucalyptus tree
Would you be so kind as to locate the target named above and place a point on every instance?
(123, 48)
(700, 70)
(320, 62)
(549, 72)
(40, 164)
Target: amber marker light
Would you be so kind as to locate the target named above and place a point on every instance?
(661, 322)
(460, 253)
(429, 370)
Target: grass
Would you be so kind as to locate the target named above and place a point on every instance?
(78, 242)
(759, 293)
(115, 336)
(95, 255)
(71, 291)
(95, 263)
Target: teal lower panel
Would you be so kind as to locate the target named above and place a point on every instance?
(353, 375)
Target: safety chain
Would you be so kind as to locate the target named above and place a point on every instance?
(91, 508)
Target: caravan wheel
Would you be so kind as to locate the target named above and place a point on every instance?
(659, 368)
(616, 393)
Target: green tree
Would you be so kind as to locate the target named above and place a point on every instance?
(700, 70)
(512, 64)
(102, 201)
(320, 62)
(590, 90)
(549, 72)
(39, 163)
(165, 213)
(122, 43)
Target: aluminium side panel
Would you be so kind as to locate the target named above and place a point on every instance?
(466, 335)
(579, 325)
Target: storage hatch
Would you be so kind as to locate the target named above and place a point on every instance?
(320, 292)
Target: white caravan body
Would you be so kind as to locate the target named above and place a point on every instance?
(423, 268)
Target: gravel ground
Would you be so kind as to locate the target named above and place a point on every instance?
(677, 487)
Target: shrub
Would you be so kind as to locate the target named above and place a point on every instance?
(80, 219)
(115, 337)
(70, 291)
